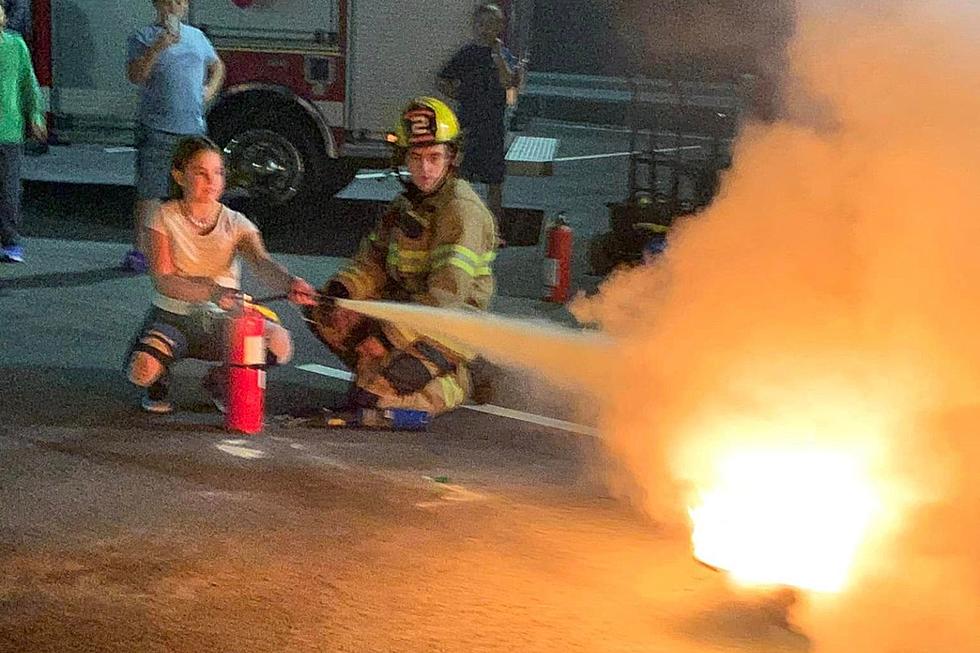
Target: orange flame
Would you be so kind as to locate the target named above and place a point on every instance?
(786, 516)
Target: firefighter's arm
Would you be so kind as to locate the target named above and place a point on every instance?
(273, 275)
(167, 281)
(365, 276)
(215, 79)
(460, 253)
(140, 66)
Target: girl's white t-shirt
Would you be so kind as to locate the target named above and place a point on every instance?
(212, 255)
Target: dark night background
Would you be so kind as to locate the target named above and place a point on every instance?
(690, 39)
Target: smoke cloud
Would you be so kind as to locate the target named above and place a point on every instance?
(831, 295)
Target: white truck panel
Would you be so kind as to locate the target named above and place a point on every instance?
(89, 56)
(280, 19)
(395, 51)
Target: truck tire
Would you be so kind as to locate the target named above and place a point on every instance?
(275, 152)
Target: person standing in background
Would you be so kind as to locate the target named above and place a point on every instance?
(478, 77)
(21, 106)
(179, 73)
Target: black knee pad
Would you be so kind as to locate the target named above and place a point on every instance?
(406, 374)
(161, 341)
(434, 356)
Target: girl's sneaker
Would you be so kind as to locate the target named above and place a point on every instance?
(13, 254)
(157, 398)
(134, 261)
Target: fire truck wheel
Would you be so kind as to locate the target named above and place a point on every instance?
(274, 153)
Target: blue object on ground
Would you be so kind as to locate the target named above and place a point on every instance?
(134, 261)
(13, 254)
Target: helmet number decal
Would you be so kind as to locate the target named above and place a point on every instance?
(421, 125)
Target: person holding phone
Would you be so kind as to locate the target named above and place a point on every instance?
(179, 74)
(478, 77)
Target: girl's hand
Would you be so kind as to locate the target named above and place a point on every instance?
(302, 293)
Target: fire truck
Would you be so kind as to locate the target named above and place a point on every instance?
(311, 87)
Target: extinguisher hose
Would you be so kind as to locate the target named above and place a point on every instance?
(322, 300)
(269, 298)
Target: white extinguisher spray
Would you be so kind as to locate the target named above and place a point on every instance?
(246, 361)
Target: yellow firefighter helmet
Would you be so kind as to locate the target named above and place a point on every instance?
(425, 121)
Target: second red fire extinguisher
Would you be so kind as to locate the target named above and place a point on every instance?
(245, 408)
(558, 261)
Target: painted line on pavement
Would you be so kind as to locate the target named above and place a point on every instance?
(323, 370)
(609, 155)
(531, 418)
(489, 409)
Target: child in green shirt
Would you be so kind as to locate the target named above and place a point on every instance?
(20, 103)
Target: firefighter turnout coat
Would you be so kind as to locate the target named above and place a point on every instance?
(435, 250)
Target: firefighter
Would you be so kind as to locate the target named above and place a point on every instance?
(434, 245)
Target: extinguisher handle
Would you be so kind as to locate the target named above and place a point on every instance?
(270, 298)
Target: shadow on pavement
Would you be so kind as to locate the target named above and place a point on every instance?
(63, 279)
(92, 398)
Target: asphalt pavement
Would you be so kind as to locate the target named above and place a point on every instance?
(122, 531)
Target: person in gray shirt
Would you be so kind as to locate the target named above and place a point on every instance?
(179, 73)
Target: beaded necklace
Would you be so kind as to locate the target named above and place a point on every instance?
(202, 225)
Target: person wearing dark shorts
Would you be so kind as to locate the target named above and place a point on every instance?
(179, 73)
(478, 77)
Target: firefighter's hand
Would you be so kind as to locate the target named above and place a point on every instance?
(344, 320)
(371, 348)
(302, 293)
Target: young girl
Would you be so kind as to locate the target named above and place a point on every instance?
(194, 245)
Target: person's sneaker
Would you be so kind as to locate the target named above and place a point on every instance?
(134, 261)
(157, 398)
(215, 383)
(13, 254)
(157, 406)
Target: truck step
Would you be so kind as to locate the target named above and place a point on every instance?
(531, 156)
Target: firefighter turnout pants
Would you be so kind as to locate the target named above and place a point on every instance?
(393, 367)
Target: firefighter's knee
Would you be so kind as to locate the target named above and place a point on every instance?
(279, 343)
(406, 373)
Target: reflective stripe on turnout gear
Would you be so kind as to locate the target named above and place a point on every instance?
(407, 260)
(356, 279)
(465, 259)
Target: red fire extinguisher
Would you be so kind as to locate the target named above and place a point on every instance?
(246, 360)
(558, 261)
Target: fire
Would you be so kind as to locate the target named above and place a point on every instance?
(786, 516)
